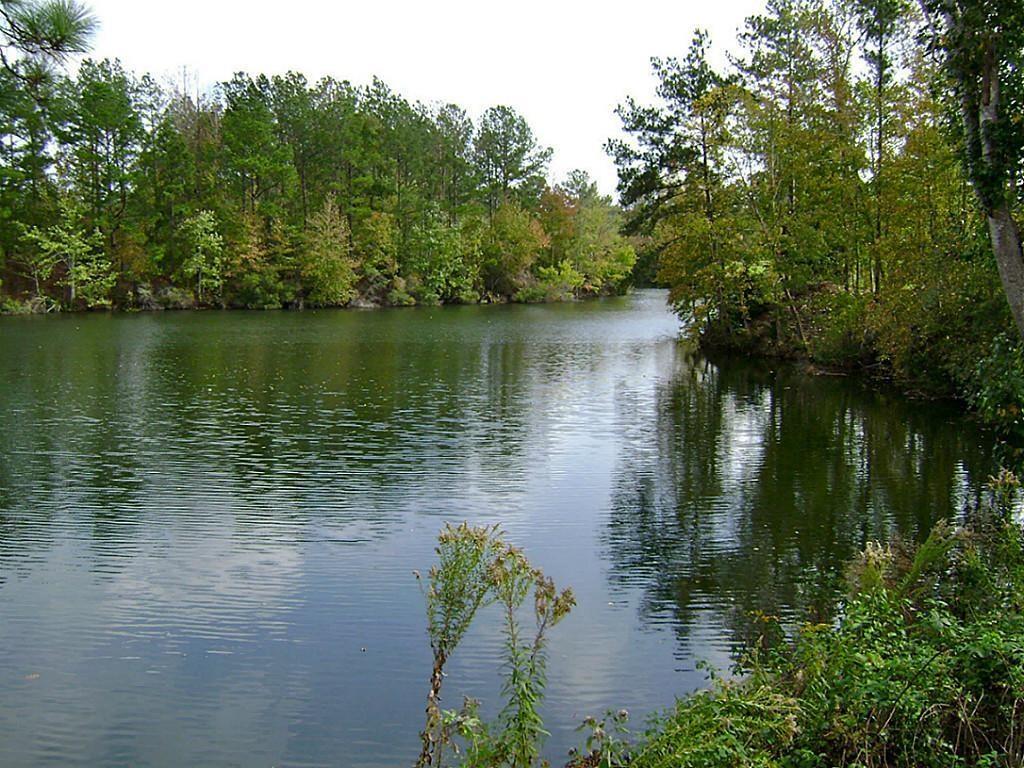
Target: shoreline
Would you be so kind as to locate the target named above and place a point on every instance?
(359, 306)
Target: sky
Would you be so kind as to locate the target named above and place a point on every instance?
(563, 64)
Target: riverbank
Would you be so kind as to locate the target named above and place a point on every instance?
(921, 666)
(919, 663)
(171, 299)
(827, 331)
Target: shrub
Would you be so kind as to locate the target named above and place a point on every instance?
(477, 568)
(997, 393)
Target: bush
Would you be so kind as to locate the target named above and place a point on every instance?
(730, 725)
(923, 666)
(557, 283)
(997, 393)
(399, 296)
(841, 339)
(11, 306)
(477, 568)
(171, 297)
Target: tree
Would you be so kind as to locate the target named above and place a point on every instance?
(511, 246)
(292, 104)
(258, 164)
(510, 160)
(88, 275)
(456, 176)
(258, 265)
(982, 47)
(164, 192)
(675, 180)
(326, 266)
(880, 23)
(26, 157)
(205, 249)
(597, 251)
(407, 184)
(34, 33)
(586, 250)
(101, 134)
(38, 265)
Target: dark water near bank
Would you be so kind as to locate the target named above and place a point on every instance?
(209, 521)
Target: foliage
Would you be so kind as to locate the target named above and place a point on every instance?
(922, 667)
(205, 248)
(998, 393)
(446, 270)
(557, 283)
(257, 270)
(326, 266)
(510, 161)
(43, 29)
(291, 171)
(804, 204)
(476, 568)
(607, 742)
(732, 724)
(86, 272)
(455, 590)
(511, 246)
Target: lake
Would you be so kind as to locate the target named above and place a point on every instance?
(209, 521)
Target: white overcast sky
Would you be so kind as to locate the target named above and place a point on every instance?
(564, 64)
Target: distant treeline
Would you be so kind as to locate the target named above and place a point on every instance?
(274, 191)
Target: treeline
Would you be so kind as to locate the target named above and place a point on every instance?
(273, 191)
(813, 198)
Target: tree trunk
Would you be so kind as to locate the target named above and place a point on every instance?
(1006, 245)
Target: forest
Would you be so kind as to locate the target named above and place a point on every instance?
(844, 191)
(119, 191)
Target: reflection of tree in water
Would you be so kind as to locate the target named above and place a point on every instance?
(327, 423)
(746, 490)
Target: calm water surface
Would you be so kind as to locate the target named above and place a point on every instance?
(209, 521)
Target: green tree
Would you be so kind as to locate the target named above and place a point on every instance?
(205, 251)
(456, 176)
(257, 162)
(34, 33)
(291, 102)
(101, 136)
(596, 250)
(408, 184)
(436, 260)
(511, 245)
(880, 24)
(510, 160)
(376, 250)
(326, 265)
(35, 37)
(675, 180)
(164, 193)
(87, 273)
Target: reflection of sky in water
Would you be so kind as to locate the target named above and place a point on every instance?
(209, 521)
